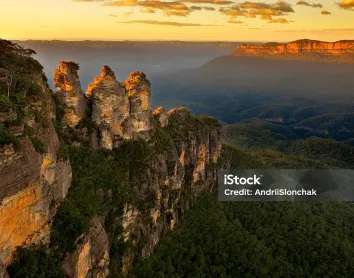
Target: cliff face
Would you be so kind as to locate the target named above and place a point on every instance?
(33, 180)
(91, 258)
(176, 177)
(3, 272)
(67, 82)
(36, 175)
(340, 51)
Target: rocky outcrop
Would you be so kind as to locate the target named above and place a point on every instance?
(67, 82)
(3, 272)
(33, 181)
(174, 180)
(120, 110)
(181, 149)
(91, 258)
(110, 109)
(138, 87)
(340, 51)
(162, 115)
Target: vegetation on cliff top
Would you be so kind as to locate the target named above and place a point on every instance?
(20, 85)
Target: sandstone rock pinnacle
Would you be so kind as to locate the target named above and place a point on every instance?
(162, 116)
(67, 82)
(110, 107)
(139, 93)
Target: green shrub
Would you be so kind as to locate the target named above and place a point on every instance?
(6, 137)
(5, 103)
(35, 263)
(38, 144)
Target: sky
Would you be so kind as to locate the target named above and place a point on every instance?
(189, 20)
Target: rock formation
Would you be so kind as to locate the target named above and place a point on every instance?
(33, 183)
(183, 170)
(138, 87)
(67, 82)
(120, 111)
(91, 258)
(3, 272)
(110, 108)
(340, 51)
(162, 115)
(35, 180)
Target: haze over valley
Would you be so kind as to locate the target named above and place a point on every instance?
(119, 118)
(303, 85)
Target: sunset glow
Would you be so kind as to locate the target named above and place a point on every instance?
(177, 20)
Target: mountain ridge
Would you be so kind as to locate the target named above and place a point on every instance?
(304, 49)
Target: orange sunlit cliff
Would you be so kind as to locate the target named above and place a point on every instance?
(340, 51)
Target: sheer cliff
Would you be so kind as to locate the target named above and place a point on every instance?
(33, 178)
(90, 182)
(306, 50)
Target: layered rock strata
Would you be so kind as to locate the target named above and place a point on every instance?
(340, 51)
(33, 183)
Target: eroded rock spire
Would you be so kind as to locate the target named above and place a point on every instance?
(67, 82)
(139, 93)
(110, 108)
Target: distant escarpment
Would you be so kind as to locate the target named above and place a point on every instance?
(307, 50)
(90, 182)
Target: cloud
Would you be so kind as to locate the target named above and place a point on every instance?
(168, 8)
(233, 11)
(233, 21)
(89, 0)
(177, 6)
(215, 2)
(199, 8)
(209, 8)
(278, 6)
(266, 17)
(147, 10)
(176, 13)
(278, 20)
(253, 9)
(317, 5)
(264, 12)
(246, 9)
(325, 12)
(169, 23)
(314, 5)
(346, 4)
(121, 3)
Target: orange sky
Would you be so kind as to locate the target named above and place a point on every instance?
(177, 20)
